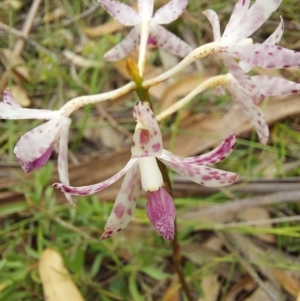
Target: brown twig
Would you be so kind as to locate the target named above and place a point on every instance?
(19, 46)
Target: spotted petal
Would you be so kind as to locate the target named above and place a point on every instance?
(125, 47)
(35, 147)
(62, 162)
(214, 21)
(267, 56)
(90, 189)
(121, 12)
(10, 100)
(147, 140)
(218, 154)
(271, 85)
(200, 174)
(249, 108)
(170, 12)
(125, 203)
(169, 41)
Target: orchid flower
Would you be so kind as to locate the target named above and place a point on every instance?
(142, 171)
(34, 148)
(144, 23)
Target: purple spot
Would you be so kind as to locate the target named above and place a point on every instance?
(156, 147)
(144, 137)
(119, 210)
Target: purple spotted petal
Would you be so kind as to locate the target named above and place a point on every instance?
(161, 212)
(125, 47)
(62, 162)
(35, 147)
(90, 189)
(267, 56)
(10, 100)
(215, 23)
(200, 174)
(125, 203)
(249, 108)
(121, 12)
(147, 140)
(243, 79)
(169, 41)
(255, 16)
(218, 154)
(237, 15)
(145, 8)
(170, 12)
(271, 85)
(273, 39)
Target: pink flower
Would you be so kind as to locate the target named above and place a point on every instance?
(34, 148)
(142, 171)
(158, 34)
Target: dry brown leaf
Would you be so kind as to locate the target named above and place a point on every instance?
(260, 295)
(290, 284)
(258, 213)
(54, 15)
(246, 284)
(20, 95)
(101, 30)
(211, 287)
(56, 280)
(173, 291)
(20, 72)
(14, 4)
(80, 61)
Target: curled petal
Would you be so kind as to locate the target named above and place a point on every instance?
(125, 203)
(267, 56)
(90, 189)
(161, 212)
(249, 108)
(201, 174)
(10, 100)
(169, 41)
(237, 15)
(170, 12)
(214, 21)
(147, 140)
(145, 8)
(62, 162)
(275, 37)
(35, 147)
(218, 154)
(125, 47)
(121, 12)
(271, 85)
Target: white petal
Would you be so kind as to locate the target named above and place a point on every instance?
(147, 140)
(249, 108)
(218, 154)
(36, 142)
(202, 174)
(170, 12)
(125, 203)
(90, 189)
(121, 12)
(271, 85)
(145, 8)
(169, 41)
(238, 13)
(125, 47)
(62, 162)
(214, 21)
